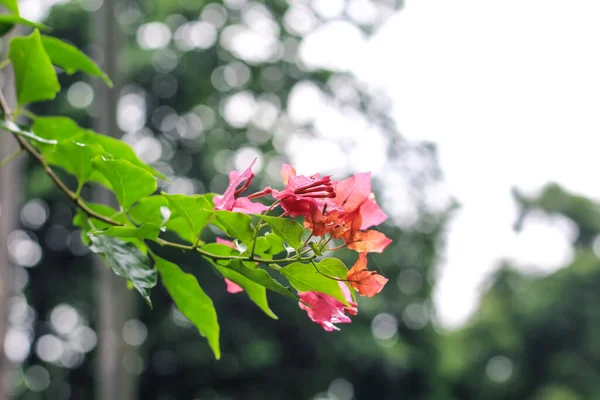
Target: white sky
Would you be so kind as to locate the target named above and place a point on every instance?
(510, 92)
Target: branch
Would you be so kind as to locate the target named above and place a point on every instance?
(31, 150)
(26, 146)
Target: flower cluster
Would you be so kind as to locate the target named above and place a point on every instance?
(332, 210)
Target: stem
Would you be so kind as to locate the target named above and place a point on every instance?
(325, 275)
(10, 157)
(4, 63)
(307, 240)
(25, 146)
(249, 258)
(258, 226)
(337, 247)
(28, 114)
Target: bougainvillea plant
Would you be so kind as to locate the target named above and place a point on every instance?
(285, 233)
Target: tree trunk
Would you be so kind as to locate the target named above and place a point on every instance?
(116, 303)
(10, 201)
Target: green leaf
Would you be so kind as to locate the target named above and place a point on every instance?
(305, 278)
(195, 210)
(191, 301)
(260, 276)
(269, 245)
(8, 21)
(130, 183)
(257, 293)
(236, 225)
(126, 260)
(220, 249)
(287, 229)
(155, 209)
(35, 78)
(71, 59)
(333, 267)
(145, 231)
(62, 128)
(76, 158)
(80, 218)
(11, 5)
(149, 210)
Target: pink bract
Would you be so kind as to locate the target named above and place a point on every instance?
(325, 310)
(230, 200)
(233, 287)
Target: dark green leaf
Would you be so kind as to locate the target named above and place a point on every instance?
(130, 183)
(305, 278)
(71, 59)
(195, 210)
(257, 293)
(259, 276)
(287, 229)
(35, 78)
(191, 301)
(8, 21)
(236, 225)
(126, 260)
(145, 231)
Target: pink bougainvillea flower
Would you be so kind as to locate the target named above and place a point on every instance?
(351, 211)
(326, 310)
(225, 242)
(365, 282)
(368, 241)
(231, 200)
(232, 287)
(302, 191)
(354, 195)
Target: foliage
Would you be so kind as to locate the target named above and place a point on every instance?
(332, 210)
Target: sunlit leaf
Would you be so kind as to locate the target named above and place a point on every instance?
(144, 231)
(305, 278)
(75, 157)
(287, 229)
(35, 78)
(261, 277)
(130, 183)
(71, 59)
(8, 22)
(195, 210)
(126, 260)
(155, 209)
(191, 301)
(257, 293)
(62, 128)
(236, 225)
(269, 245)
(11, 5)
(80, 219)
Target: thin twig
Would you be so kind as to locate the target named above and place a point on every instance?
(10, 157)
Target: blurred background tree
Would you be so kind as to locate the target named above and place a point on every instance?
(208, 86)
(535, 337)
